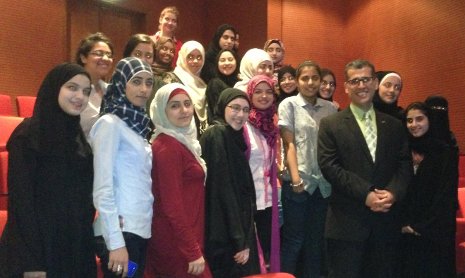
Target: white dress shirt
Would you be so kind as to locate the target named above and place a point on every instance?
(122, 181)
(260, 166)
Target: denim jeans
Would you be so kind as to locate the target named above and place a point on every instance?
(302, 232)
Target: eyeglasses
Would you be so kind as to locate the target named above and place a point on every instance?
(101, 53)
(325, 83)
(236, 108)
(140, 54)
(365, 80)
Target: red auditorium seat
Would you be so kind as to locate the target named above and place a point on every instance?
(25, 105)
(460, 233)
(272, 275)
(462, 171)
(3, 217)
(7, 125)
(5, 105)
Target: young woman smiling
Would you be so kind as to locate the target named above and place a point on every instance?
(230, 243)
(223, 39)
(95, 54)
(122, 192)
(49, 228)
(176, 248)
(305, 194)
(226, 76)
(261, 137)
(429, 209)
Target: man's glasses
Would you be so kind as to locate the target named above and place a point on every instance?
(101, 53)
(236, 108)
(365, 80)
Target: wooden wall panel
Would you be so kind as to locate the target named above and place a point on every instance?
(314, 30)
(421, 39)
(32, 41)
(424, 40)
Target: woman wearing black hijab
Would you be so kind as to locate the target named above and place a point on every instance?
(226, 76)
(50, 212)
(223, 38)
(386, 97)
(428, 224)
(230, 240)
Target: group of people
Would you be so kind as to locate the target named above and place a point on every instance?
(178, 166)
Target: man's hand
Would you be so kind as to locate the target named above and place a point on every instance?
(379, 200)
(35, 274)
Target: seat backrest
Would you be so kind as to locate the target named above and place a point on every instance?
(6, 109)
(25, 105)
(7, 126)
(3, 218)
(462, 166)
(461, 210)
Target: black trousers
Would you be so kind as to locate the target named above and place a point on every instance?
(371, 258)
(263, 225)
(136, 247)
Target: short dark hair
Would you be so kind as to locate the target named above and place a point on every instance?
(134, 40)
(358, 64)
(305, 64)
(87, 43)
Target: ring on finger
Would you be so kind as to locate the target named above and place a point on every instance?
(119, 268)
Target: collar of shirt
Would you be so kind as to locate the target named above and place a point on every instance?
(304, 103)
(358, 112)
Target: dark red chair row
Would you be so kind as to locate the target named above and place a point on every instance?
(24, 105)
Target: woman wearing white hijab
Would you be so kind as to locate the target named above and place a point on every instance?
(176, 248)
(188, 66)
(255, 62)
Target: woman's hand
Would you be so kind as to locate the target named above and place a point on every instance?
(118, 261)
(35, 274)
(409, 230)
(242, 257)
(196, 267)
(298, 187)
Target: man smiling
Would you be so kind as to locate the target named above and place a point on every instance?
(364, 155)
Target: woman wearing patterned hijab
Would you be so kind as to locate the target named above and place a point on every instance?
(49, 228)
(261, 134)
(176, 248)
(122, 166)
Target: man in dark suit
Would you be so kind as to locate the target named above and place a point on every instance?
(364, 155)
